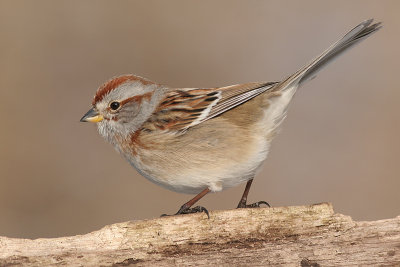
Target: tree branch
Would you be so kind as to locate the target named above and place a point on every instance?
(290, 236)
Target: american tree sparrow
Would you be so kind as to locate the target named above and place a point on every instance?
(197, 140)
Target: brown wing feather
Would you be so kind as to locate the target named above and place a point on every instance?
(184, 108)
(235, 95)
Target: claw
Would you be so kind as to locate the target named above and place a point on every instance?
(194, 210)
(184, 210)
(254, 205)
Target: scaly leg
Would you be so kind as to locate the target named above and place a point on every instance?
(243, 200)
(186, 208)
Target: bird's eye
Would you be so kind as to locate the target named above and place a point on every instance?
(114, 105)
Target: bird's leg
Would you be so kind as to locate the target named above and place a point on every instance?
(186, 208)
(243, 200)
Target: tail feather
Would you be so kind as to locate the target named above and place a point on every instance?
(353, 37)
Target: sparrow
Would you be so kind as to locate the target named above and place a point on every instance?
(201, 140)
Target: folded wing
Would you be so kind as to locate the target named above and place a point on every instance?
(184, 108)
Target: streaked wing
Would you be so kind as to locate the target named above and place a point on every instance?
(235, 95)
(184, 108)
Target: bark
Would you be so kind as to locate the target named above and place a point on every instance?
(288, 236)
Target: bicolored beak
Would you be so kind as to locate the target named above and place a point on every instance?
(92, 116)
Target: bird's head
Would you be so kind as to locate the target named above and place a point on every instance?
(122, 105)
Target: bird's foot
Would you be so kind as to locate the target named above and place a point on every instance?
(187, 210)
(193, 210)
(242, 204)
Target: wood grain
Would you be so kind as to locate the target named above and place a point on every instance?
(288, 236)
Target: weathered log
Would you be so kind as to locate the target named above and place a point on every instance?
(289, 236)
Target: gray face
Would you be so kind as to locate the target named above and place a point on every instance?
(126, 108)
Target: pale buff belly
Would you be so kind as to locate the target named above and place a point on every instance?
(204, 158)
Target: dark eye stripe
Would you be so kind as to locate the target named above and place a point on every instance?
(137, 98)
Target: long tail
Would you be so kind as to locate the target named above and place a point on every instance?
(353, 37)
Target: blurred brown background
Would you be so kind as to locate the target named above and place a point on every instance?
(340, 142)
